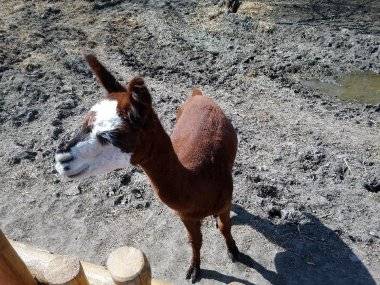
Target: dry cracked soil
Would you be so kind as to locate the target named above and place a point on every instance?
(306, 177)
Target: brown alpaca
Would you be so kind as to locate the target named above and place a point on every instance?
(189, 171)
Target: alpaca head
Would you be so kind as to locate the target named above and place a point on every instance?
(110, 131)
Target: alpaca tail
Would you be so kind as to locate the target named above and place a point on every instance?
(197, 92)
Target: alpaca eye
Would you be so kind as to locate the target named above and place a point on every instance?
(104, 138)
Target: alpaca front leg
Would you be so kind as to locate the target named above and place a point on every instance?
(195, 238)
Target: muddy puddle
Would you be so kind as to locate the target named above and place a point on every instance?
(358, 87)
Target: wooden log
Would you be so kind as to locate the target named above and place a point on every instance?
(51, 268)
(38, 261)
(13, 271)
(129, 266)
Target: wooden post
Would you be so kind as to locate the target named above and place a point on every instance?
(13, 271)
(129, 266)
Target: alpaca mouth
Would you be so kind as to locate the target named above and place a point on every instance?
(78, 173)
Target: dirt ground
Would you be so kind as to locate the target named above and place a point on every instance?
(306, 160)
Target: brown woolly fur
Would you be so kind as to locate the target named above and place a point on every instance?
(189, 171)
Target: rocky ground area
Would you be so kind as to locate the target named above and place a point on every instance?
(308, 166)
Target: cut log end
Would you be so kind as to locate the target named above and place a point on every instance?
(62, 270)
(128, 264)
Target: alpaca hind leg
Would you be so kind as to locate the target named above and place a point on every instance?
(225, 229)
(195, 238)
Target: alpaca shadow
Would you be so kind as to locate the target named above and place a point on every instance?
(313, 254)
(226, 279)
(246, 260)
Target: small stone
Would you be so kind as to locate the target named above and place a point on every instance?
(263, 168)
(137, 193)
(125, 180)
(63, 114)
(121, 200)
(232, 5)
(255, 179)
(72, 190)
(265, 191)
(31, 115)
(14, 160)
(373, 186)
(266, 27)
(49, 12)
(340, 171)
(278, 158)
(56, 132)
(139, 206)
(118, 200)
(274, 213)
(292, 215)
(24, 155)
(111, 192)
(56, 122)
(100, 5)
(67, 105)
(31, 67)
(46, 153)
(372, 233)
(352, 238)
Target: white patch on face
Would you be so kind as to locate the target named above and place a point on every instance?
(90, 157)
(106, 117)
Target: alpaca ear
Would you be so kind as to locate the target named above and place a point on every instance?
(103, 75)
(139, 91)
(141, 102)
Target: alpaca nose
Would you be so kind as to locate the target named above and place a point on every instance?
(63, 157)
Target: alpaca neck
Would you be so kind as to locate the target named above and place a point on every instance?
(161, 164)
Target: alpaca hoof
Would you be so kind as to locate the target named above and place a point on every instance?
(193, 273)
(234, 254)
